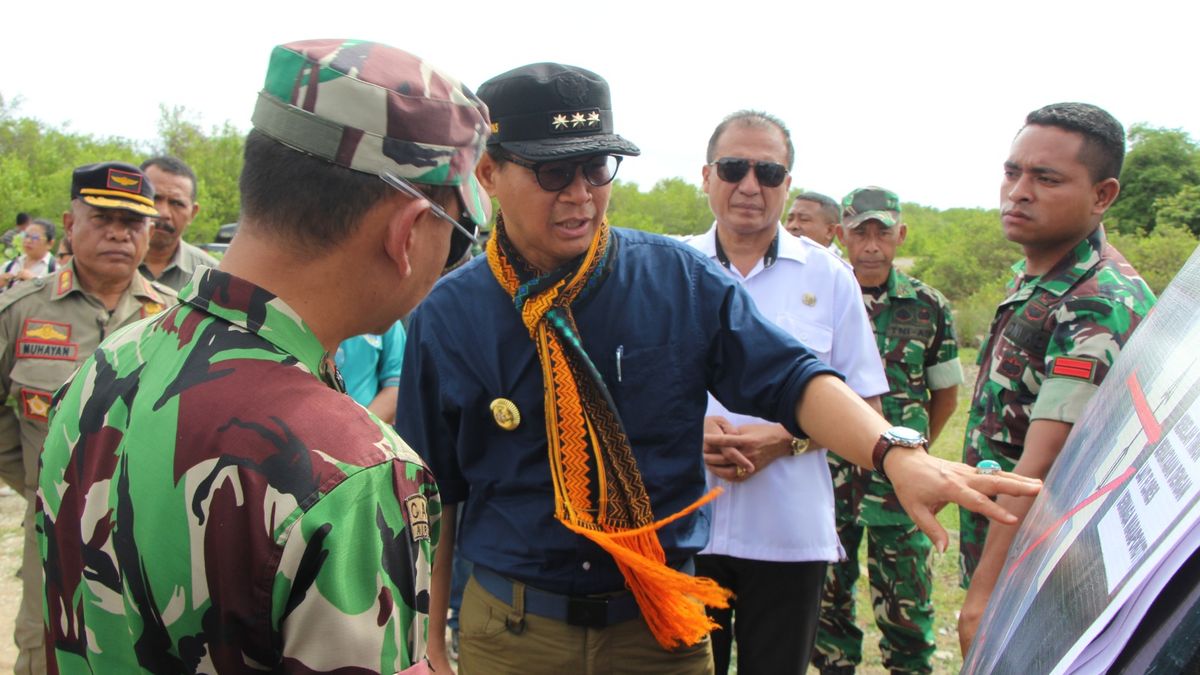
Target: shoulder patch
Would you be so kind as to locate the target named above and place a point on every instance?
(417, 507)
(1075, 368)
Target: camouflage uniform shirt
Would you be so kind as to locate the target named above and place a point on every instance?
(211, 502)
(914, 332)
(1051, 343)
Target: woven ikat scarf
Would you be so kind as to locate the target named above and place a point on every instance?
(598, 490)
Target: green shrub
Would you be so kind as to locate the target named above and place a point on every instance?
(973, 315)
(1159, 255)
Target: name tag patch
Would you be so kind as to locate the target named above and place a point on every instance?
(41, 339)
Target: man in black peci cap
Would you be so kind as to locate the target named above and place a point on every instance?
(570, 431)
(50, 325)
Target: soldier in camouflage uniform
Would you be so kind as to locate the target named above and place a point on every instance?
(914, 332)
(211, 500)
(1073, 302)
(50, 324)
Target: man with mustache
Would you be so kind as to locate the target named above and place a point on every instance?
(170, 260)
(1073, 303)
(50, 325)
(914, 332)
(557, 388)
(775, 566)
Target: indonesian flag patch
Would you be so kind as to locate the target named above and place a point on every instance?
(1075, 368)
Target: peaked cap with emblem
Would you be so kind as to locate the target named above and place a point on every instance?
(547, 111)
(114, 185)
(374, 108)
(870, 203)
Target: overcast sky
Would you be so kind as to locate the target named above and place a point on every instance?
(920, 97)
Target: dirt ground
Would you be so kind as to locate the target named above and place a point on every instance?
(12, 507)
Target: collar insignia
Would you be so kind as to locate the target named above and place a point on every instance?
(65, 281)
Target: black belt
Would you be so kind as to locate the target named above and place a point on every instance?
(588, 611)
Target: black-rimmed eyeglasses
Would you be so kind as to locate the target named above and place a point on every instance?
(464, 233)
(734, 169)
(556, 174)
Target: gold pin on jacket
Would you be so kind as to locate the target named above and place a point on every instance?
(506, 414)
(809, 299)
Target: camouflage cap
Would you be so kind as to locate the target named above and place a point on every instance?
(114, 185)
(374, 108)
(870, 203)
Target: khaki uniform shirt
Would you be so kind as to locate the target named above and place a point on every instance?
(48, 326)
(179, 271)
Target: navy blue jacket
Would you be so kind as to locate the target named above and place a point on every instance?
(682, 328)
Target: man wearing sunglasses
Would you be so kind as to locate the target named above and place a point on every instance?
(209, 482)
(775, 566)
(556, 387)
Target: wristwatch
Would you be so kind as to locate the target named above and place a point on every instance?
(902, 436)
(800, 446)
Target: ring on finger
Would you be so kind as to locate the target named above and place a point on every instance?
(987, 467)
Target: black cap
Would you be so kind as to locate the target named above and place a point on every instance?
(114, 185)
(549, 111)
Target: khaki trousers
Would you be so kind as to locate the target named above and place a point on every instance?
(496, 638)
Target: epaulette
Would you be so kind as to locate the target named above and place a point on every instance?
(170, 295)
(22, 290)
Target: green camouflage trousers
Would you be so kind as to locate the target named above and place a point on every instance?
(898, 564)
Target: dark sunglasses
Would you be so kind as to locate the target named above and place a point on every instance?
(734, 169)
(554, 175)
(464, 232)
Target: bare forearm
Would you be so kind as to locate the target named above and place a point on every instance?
(439, 587)
(837, 418)
(384, 404)
(942, 403)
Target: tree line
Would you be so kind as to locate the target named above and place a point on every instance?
(1155, 221)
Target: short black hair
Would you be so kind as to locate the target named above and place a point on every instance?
(22, 218)
(1103, 149)
(47, 227)
(172, 165)
(306, 201)
(751, 118)
(829, 206)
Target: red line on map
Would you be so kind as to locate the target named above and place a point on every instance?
(1108, 487)
(1153, 431)
(1145, 415)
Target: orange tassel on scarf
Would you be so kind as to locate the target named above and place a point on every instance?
(589, 451)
